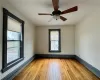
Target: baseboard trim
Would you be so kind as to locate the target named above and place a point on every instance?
(18, 70)
(88, 66)
(53, 56)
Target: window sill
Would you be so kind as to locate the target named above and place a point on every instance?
(55, 51)
(11, 65)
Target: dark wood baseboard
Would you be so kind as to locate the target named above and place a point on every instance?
(88, 66)
(54, 56)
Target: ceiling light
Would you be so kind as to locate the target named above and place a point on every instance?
(56, 17)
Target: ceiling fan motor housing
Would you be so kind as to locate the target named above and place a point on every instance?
(58, 12)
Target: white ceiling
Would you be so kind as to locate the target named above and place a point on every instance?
(31, 8)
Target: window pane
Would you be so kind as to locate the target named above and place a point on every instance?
(14, 25)
(13, 50)
(13, 35)
(54, 35)
(54, 45)
(11, 44)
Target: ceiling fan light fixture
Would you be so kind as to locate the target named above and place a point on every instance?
(56, 17)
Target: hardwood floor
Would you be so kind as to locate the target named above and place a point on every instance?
(55, 69)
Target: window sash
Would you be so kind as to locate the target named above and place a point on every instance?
(54, 35)
(55, 45)
(13, 43)
(13, 54)
(13, 35)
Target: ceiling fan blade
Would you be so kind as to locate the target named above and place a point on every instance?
(70, 10)
(63, 18)
(44, 14)
(50, 19)
(55, 4)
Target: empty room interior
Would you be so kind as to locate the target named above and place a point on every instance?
(49, 39)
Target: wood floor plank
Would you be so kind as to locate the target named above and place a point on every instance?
(55, 69)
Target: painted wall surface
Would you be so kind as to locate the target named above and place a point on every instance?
(67, 39)
(29, 35)
(87, 39)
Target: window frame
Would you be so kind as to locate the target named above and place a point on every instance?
(59, 42)
(6, 66)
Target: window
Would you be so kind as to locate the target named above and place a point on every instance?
(54, 40)
(13, 40)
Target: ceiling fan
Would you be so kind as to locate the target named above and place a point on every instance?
(57, 13)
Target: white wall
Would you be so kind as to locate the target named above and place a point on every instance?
(67, 39)
(87, 39)
(28, 36)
